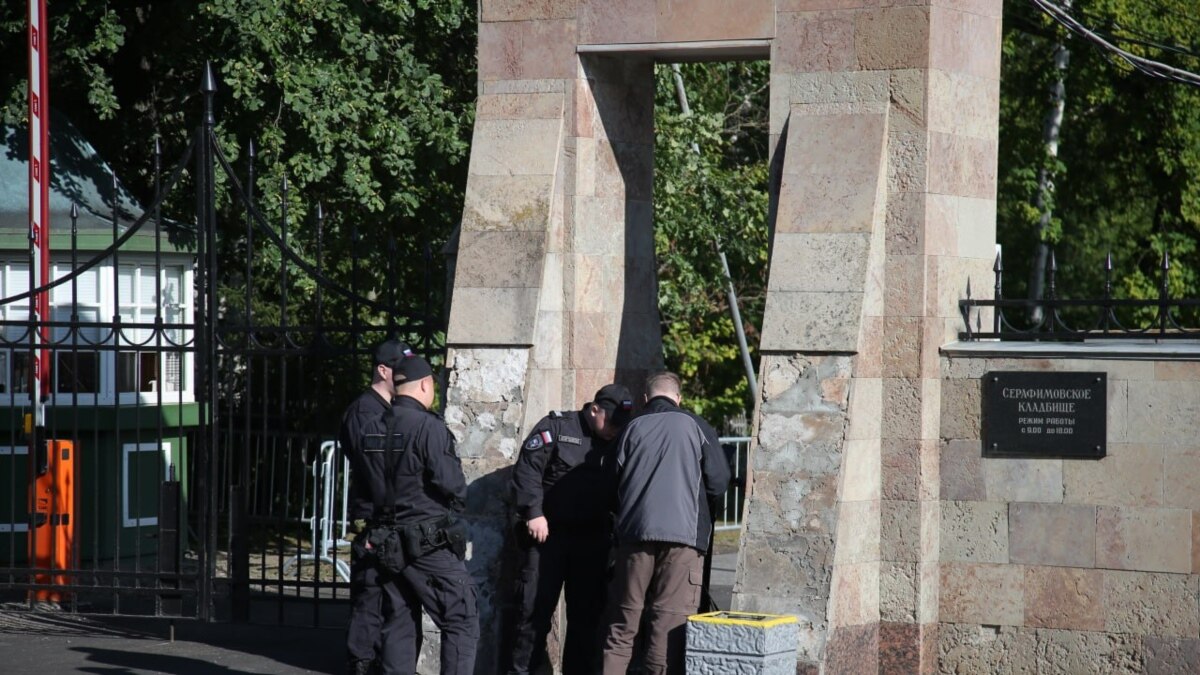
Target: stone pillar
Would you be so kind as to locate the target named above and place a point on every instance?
(555, 292)
(884, 124)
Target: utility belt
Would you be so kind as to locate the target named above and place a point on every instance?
(396, 544)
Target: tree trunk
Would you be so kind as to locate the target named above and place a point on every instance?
(1050, 134)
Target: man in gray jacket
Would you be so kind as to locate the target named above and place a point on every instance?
(670, 472)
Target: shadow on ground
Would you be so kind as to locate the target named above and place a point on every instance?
(52, 642)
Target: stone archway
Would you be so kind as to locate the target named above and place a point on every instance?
(884, 134)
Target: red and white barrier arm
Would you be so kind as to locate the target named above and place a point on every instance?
(39, 202)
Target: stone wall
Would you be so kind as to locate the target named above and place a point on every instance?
(883, 125)
(1057, 565)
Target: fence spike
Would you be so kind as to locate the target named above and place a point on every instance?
(1053, 272)
(968, 288)
(208, 87)
(1108, 268)
(209, 84)
(116, 200)
(1166, 278)
(999, 266)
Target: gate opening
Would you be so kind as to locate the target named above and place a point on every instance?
(711, 238)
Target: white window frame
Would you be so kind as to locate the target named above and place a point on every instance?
(108, 306)
(12, 451)
(128, 449)
(58, 269)
(9, 268)
(186, 394)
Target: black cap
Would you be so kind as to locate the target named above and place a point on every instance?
(616, 401)
(391, 352)
(411, 369)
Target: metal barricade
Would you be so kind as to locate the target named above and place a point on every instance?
(736, 450)
(322, 521)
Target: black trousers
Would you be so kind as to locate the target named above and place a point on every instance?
(385, 618)
(578, 560)
(445, 590)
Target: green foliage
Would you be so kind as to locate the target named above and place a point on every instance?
(365, 108)
(710, 186)
(1127, 179)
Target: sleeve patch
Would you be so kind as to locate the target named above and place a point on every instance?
(538, 440)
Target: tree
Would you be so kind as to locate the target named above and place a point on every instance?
(1129, 156)
(710, 186)
(366, 107)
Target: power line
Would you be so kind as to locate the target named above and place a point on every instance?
(1149, 67)
(1160, 9)
(1141, 38)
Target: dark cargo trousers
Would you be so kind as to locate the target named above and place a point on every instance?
(578, 560)
(666, 579)
(385, 621)
(446, 591)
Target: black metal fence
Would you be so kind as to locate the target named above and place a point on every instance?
(1053, 318)
(186, 460)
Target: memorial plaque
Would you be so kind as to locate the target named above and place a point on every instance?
(1044, 415)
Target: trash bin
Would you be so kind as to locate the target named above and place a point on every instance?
(724, 643)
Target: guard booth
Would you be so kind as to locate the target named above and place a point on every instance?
(121, 348)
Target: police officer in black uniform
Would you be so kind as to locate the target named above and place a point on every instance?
(384, 624)
(414, 480)
(563, 497)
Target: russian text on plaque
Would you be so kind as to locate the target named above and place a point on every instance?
(1044, 414)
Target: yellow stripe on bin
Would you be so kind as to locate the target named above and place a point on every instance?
(743, 619)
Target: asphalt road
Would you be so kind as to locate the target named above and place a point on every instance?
(50, 642)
